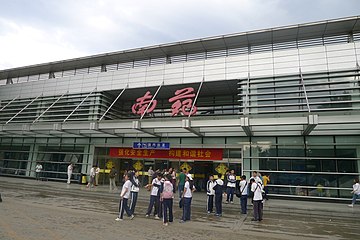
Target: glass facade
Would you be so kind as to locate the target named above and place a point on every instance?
(314, 166)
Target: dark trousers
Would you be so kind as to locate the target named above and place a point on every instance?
(258, 210)
(124, 206)
(37, 175)
(210, 203)
(186, 209)
(168, 204)
(243, 203)
(154, 201)
(266, 189)
(181, 190)
(134, 196)
(230, 194)
(218, 203)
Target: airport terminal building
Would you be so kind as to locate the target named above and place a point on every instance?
(284, 101)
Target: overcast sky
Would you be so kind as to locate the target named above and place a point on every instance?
(38, 31)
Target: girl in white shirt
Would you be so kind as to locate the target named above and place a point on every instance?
(189, 188)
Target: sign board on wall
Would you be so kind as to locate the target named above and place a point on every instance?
(151, 145)
(175, 153)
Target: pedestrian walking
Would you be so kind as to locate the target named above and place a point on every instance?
(97, 174)
(92, 177)
(210, 194)
(124, 197)
(166, 197)
(112, 177)
(257, 189)
(243, 185)
(134, 190)
(0, 198)
(38, 169)
(218, 187)
(70, 169)
(189, 188)
(355, 192)
(231, 184)
(154, 196)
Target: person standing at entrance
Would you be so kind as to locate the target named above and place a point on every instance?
(210, 194)
(112, 177)
(150, 175)
(257, 188)
(97, 174)
(166, 197)
(38, 169)
(355, 192)
(154, 196)
(69, 172)
(181, 184)
(92, 177)
(134, 190)
(218, 187)
(244, 194)
(231, 184)
(124, 197)
(189, 188)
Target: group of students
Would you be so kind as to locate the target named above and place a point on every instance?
(253, 189)
(162, 192)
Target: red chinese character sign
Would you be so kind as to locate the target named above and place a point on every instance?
(183, 102)
(142, 103)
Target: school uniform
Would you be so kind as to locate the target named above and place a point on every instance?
(125, 192)
(210, 196)
(218, 187)
(187, 201)
(134, 193)
(154, 197)
(257, 189)
(244, 195)
(167, 199)
(231, 184)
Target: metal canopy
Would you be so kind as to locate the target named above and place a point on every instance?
(184, 127)
(266, 36)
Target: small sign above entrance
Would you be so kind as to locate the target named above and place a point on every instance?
(151, 145)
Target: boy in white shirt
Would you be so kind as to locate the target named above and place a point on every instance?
(69, 172)
(38, 169)
(257, 188)
(154, 196)
(231, 184)
(210, 194)
(124, 197)
(244, 194)
(134, 190)
(218, 187)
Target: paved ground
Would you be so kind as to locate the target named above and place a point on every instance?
(52, 210)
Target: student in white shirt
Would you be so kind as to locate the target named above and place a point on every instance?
(231, 184)
(189, 188)
(210, 194)
(257, 188)
(355, 192)
(124, 196)
(218, 187)
(134, 189)
(38, 169)
(154, 196)
(244, 194)
(69, 172)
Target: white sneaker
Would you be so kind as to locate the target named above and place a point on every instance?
(132, 217)
(157, 217)
(351, 205)
(118, 219)
(165, 224)
(147, 215)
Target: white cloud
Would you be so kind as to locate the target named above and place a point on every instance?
(42, 30)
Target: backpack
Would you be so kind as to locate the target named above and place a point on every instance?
(167, 192)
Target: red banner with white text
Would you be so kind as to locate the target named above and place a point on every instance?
(174, 153)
